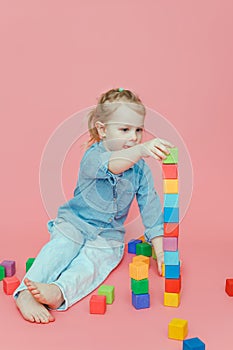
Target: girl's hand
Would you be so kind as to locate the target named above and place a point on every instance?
(156, 148)
(157, 243)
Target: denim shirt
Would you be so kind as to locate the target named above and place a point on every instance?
(102, 199)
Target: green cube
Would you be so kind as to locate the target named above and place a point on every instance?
(29, 263)
(108, 291)
(172, 158)
(2, 272)
(144, 248)
(140, 286)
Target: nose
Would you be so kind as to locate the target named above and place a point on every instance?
(133, 135)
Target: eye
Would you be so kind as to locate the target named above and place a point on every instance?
(139, 130)
(124, 129)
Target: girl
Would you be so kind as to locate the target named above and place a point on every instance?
(87, 237)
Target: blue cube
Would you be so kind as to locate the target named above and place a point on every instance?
(171, 200)
(193, 344)
(141, 301)
(171, 214)
(132, 245)
(171, 258)
(172, 271)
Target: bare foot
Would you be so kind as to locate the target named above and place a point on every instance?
(48, 294)
(31, 310)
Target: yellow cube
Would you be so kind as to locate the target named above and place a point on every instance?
(163, 269)
(138, 270)
(170, 186)
(143, 258)
(172, 299)
(177, 329)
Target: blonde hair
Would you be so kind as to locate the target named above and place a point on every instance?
(106, 106)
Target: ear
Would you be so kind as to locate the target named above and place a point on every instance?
(101, 129)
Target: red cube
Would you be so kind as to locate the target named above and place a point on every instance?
(171, 229)
(170, 171)
(229, 286)
(172, 285)
(10, 284)
(98, 304)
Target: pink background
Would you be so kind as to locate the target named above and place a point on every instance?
(57, 57)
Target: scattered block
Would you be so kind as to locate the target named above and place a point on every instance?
(170, 244)
(177, 329)
(138, 270)
(143, 258)
(108, 291)
(193, 344)
(140, 286)
(171, 229)
(10, 284)
(9, 267)
(229, 286)
(2, 272)
(98, 304)
(141, 301)
(171, 214)
(170, 186)
(142, 238)
(171, 299)
(144, 248)
(170, 171)
(29, 263)
(171, 158)
(173, 285)
(132, 245)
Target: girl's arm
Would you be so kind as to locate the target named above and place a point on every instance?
(124, 159)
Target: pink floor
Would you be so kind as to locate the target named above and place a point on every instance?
(204, 304)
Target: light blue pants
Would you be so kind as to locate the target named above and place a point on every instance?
(77, 266)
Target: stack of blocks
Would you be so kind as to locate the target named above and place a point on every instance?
(7, 274)
(171, 230)
(139, 273)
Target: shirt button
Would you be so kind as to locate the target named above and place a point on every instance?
(110, 220)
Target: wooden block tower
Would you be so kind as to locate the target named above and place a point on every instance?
(171, 229)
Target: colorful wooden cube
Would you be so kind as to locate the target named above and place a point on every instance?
(29, 263)
(193, 344)
(172, 271)
(144, 248)
(140, 286)
(170, 171)
(170, 244)
(10, 284)
(132, 245)
(143, 258)
(177, 329)
(171, 229)
(171, 299)
(171, 258)
(108, 291)
(170, 186)
(141, 301)
(171, 214)
(9, 267)
(98, 304)
(171, 200)
(142, 238)
(173, 285)
(171, 158)
(138, 270)
(2, 272)
(229, 286)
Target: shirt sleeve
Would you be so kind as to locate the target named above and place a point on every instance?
(94, 165)
(149, 204)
